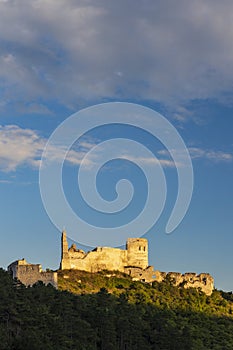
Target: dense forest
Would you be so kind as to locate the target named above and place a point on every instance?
(99, 312)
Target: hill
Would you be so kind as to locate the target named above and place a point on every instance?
(84, 315)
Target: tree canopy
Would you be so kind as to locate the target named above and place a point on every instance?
(121, 315)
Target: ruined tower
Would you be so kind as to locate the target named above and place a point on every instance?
(133, 261)
(137, 251)
(65, 259)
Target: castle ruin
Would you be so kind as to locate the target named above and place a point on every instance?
(133, 261)
(105, 258)
(29, 274)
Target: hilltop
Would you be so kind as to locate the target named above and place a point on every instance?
(96, 311)
(163, 294)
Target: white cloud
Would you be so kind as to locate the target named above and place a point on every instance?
(150, 160)
(18, 147)
(167, 51)
(35, 108)
(24, 147)
(199, 153)
(216, 156)
(5, 182)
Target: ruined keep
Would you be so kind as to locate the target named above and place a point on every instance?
(29, 274)
(105, 258)
(133, 260)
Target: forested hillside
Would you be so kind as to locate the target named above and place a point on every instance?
(134, 316)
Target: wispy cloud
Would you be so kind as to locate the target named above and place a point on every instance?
(150, 160)
(24, 147)
(212, 155)
(184, 115)
(199, 153)
(19, 147)
(5, 182)
(34, 108)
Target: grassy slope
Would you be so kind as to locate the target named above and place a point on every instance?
(162, 295)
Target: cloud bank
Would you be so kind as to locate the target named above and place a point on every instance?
(72, 51)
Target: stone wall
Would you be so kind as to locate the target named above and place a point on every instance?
(29, 274)
(204, 281)
(101, 258)
(105, 258)
(133, 261)
(138, 274)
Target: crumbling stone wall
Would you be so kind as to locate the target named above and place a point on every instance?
(139, 274)
(133, 261)
(29, 274)
(204, 281)
(101, 258)
(105, 258)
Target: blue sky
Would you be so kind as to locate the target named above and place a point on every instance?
(58, 57)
